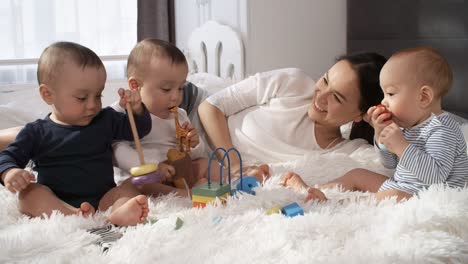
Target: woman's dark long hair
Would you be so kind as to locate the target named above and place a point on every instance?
(367, 66)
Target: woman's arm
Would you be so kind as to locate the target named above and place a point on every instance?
(8, 135)
(256, 90)
(216, 128)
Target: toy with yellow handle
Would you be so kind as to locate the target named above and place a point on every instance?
(146, 172)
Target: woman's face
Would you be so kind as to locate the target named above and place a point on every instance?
(337, 96)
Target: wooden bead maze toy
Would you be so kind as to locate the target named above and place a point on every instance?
(146, 172)
(209, 192)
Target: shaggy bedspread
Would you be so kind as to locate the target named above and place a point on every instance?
(431, 228)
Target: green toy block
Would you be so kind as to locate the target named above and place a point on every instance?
(211, 190)
(178, 223)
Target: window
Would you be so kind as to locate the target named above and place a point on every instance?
(108, 27)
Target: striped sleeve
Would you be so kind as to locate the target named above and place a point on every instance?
(435, 163)
(387, 158)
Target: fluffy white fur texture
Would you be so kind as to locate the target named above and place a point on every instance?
(431, 228)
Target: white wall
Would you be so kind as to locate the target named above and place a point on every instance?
(309, 37)
(308, 34)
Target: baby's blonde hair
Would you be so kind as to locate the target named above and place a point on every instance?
(148, 49)
(54, 57)
(429, 68)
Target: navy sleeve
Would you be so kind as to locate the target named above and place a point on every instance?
(121, 125)
(18, 154)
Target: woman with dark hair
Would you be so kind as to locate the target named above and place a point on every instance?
(281, 115)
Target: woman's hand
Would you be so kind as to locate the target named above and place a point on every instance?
(261, 172)
(16, 179)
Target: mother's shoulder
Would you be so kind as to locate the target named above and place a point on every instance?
(286, 75)
(286, 71)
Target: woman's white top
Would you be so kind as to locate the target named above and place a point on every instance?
(267, 116)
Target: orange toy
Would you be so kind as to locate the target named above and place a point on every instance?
(181, 133)
(385, 112)
(180, 159)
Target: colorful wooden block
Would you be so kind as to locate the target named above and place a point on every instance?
(198, 204)
(207, 199)
(248, 183)
(213, 189)
(205, 193)
(292, 210)
(274, 210)
(201, 201)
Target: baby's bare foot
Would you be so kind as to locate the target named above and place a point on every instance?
(316, 195)
(132, 212)
(294, 181)
(86, 209)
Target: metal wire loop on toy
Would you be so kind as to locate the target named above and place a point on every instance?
(226, 154)
(213, 154)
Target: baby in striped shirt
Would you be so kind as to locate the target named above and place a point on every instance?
(412, 133)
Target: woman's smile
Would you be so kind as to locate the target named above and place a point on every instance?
(318, 108)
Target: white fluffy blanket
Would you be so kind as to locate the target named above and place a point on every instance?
(430, 228)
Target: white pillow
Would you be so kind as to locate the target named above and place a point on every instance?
(22, 104)
(209, 82)
(13, 115)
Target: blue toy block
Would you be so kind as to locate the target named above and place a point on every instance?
(292, 210)
(248, 183)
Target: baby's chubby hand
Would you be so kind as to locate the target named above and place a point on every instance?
(379, 117)
(392, 137)
(16, 179)
(167, 171)
(192, 134)
(133, 97)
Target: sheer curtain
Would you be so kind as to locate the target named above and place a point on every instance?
(108, 27)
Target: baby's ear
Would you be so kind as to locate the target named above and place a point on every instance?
(46, 93)
(426, 95)
(133, 83)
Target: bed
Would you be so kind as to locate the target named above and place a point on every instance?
(430, 228)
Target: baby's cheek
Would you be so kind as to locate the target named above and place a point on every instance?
(179, 101)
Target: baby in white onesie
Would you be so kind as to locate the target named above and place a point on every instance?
(160, 70)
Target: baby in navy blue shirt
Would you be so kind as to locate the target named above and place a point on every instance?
(71, 148)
